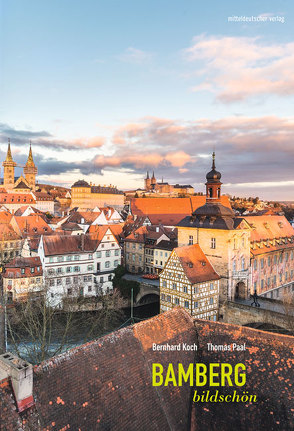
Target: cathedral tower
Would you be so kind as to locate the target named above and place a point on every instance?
(8, 166)
(147, 182)
(30, 171)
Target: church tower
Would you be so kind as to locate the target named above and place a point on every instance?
(8, 166)
(147, 182)
(213, 184)
(30, 171)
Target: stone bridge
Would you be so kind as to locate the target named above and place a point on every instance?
(258, 317)
(148, 293)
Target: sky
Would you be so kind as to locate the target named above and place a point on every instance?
(106, 90)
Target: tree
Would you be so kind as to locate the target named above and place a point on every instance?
(38, 330)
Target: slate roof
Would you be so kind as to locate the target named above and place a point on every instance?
(106, 384)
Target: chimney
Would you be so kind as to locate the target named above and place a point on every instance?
(20, 373)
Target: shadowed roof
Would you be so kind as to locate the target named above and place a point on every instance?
(106, 384)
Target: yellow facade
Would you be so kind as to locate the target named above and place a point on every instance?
(229, 253)
(85, 198)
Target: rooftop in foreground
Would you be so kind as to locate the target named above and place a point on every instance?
(106, 384)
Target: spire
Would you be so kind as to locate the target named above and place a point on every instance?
(147, 178)
(213, 161)
(153, 175)
(8, 155)
(30, 161)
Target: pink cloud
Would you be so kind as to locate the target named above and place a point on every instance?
(238, 68)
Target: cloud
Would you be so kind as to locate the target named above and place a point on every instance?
(238, 68)
(136, 56)
(257, 150)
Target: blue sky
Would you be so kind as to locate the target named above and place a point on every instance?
(108, 89)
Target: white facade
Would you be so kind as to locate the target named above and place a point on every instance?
(86, 273)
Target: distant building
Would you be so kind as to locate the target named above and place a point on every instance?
(87, 196)
(152, 185)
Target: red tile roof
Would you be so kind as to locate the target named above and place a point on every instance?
(58, 245)
(269, 227)
(16, 198)
(170, 206)
(106, 384)
(195, 264)
(7, 233)
(31, 225)
(13, 268)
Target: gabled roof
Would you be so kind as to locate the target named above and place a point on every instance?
(22, 185)
(31, 225)
(195, 264)
(7, 233)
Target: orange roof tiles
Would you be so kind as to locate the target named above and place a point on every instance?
(174, 206)
(7, 233)
(16, 198)
(195, 264)
(31, 225)
(5, 216)
(269, 227)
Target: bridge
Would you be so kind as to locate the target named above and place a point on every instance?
(272, 315)
(148, 294)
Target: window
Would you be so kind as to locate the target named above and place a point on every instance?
(185, 290)
(262, 263)
(110, 277)
(60, 259)
(107, 253)
(76, 268)
(292, 255)
(38, 280)
(67, 280)
(186, 304)
(243, 263)
(90, 268)
(68, 258)
(116, 252)
(262, 284)
(191, 240)
(116, 263)
(32, 270)
(134, 246)
(281, 276)
(163, 283)
(213, 243)
(234, 265)
(51, 259)
(133, 257)
(177, 301)
(101, 280)
(98, 254)
(168, 298)
(211, 301)
(59, 271)
(275, 280)
(287, 257)
(211, 286)
(163, 297)
(269, 261)
(22, 270)
(76, 257)
(281, 257)
(85, 278)
(107, 264)
(59, 281)
(255, 264)
(175, 286)
(268, 281)
(68, 269)
(275, 259)
(196, 289)
(196, 304)
(51, 282)
(90, 256)
(89, 288)
(69, 291)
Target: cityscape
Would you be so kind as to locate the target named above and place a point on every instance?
(147, 217)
